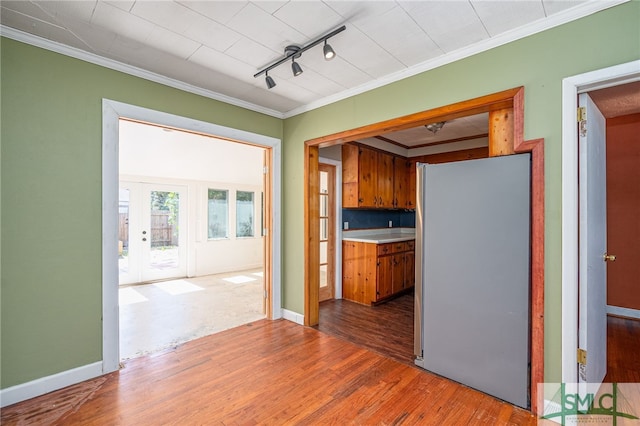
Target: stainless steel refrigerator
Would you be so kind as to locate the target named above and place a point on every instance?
(472, 320)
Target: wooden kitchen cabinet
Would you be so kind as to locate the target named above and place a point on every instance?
(373, 272)
(376, 179)
(411, 184)
(367, 177)
(410, 265)
(400, 182)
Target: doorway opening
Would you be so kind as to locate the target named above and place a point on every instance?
(508, 107)
(266, 220)
(615, 92)
(191, 250)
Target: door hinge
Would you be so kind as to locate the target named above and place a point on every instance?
(582, 114)
(582, 356)
(265, 170)
(582, 121)
(265, 294)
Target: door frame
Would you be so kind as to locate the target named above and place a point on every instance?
(112, 112)
(571, 87)
(511, 99)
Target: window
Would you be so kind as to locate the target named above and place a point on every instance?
(218, 209)
(244, 214)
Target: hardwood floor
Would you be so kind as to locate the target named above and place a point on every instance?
(623, 350)
(266, 372)
(386, 329)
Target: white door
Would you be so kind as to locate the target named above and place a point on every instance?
(153, 224)
(592, 317)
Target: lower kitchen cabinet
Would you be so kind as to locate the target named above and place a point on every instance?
(374, 272)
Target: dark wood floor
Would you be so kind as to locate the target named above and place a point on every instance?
(386, 329)
(271, 373)
(623, 350)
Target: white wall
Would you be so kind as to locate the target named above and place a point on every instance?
(155, 155)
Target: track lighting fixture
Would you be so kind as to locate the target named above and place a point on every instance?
(295, 68)
(270, 83)
(294, 51)
(329, 54)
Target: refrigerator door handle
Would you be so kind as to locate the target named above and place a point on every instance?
(418, 328)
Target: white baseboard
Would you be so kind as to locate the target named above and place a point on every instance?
(48, 384)
(623, 312)
(293, 316)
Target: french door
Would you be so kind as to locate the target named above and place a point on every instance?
(152, 232)
(327, 231)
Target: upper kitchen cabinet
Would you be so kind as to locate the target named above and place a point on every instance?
(411, 184)
(376, 179)
(367, 177)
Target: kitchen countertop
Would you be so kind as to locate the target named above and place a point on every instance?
(379, 235)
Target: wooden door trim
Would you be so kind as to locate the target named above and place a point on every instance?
(508, 99)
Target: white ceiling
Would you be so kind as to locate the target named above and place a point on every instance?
(215, 47)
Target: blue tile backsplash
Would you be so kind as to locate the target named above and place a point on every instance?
(365, 219)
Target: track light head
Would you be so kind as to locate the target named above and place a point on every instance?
(329, 53)
(295, 67)
(270, 83)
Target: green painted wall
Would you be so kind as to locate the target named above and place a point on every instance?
(539, 63)
(51, 114)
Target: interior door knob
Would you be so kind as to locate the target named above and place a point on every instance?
(609, 257)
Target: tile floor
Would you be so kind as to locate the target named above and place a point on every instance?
(160, 315)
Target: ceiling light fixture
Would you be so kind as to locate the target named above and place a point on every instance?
(295, 68)
(270, 83)
(293, 52)
(329, 54)
(434, 127)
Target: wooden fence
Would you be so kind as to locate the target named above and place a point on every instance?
(161, 233)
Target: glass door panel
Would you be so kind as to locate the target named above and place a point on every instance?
(152, 232)
(163, 231)
(128, 223)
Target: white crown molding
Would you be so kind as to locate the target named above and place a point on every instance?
(558, 19)
(76, 53)
(566, 16)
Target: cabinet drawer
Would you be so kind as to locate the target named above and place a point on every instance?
(411, 245)
(389, 248)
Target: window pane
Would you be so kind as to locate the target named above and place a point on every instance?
(324, 229)
(123, 231)
(324, 205)
(218, 213)
(323, 276)
(324, 182)
(244, 214)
